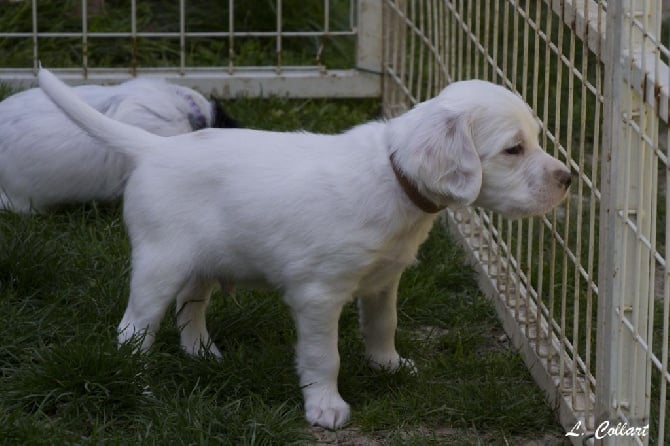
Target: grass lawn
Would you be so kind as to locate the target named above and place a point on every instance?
(63, 288)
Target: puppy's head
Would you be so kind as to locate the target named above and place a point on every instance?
(477, 143)
(202, 113)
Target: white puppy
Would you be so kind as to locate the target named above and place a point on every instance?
(46, 160)
(324, 218)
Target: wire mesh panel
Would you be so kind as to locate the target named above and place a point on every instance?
(313, 48)
(558, 279)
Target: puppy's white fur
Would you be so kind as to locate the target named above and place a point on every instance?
(46, 160)
(321, 217)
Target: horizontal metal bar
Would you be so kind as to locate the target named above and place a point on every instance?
(176, 34)
(296, 82)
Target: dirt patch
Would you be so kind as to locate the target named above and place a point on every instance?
(352, 436)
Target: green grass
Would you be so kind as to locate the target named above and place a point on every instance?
(63, 289)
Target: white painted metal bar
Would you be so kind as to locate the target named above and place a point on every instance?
(133, 37)
(231, 36)
(176, 34)
(84, 37)
(664, 366)
(326, 30)
(562, 291)
(296, 82)
(182, 37)
(592, 200)
(34, 35)
(369, 45)
(278, 36)
(576, 294)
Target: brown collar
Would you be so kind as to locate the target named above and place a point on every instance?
(412, 192)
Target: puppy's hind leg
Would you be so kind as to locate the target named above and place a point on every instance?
(378, 321)
(192, 303)
(153, 285)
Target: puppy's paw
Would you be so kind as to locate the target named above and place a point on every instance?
(209, 350)
(392, 364)
(329, 412)
(409, 365)
(328, 417)
(195, 346)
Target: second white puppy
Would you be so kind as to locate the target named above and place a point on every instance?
(323, 218)
(46, 160)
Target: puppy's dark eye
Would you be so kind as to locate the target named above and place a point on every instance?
(516, 150)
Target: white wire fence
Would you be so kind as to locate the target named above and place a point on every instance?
(583, 292)
(317, 48)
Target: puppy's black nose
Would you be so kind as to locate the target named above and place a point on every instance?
(564, 177)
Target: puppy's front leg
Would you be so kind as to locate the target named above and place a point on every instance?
(318, 359)
(378, 319)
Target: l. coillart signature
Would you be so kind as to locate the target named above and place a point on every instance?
(608, 429)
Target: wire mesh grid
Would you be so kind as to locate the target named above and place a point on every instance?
(197, 44)
(177, 32)
(548, 275)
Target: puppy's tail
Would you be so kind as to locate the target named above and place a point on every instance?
(117, 135)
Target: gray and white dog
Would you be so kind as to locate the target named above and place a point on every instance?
(46, 160)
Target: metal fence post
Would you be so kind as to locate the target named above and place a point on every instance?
(370, 37)
(606, 364)
(627, 226)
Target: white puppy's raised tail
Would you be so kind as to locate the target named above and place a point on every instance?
(116, 135)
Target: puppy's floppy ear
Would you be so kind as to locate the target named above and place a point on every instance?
(460, 171)
(197, 121)
(436, 150)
